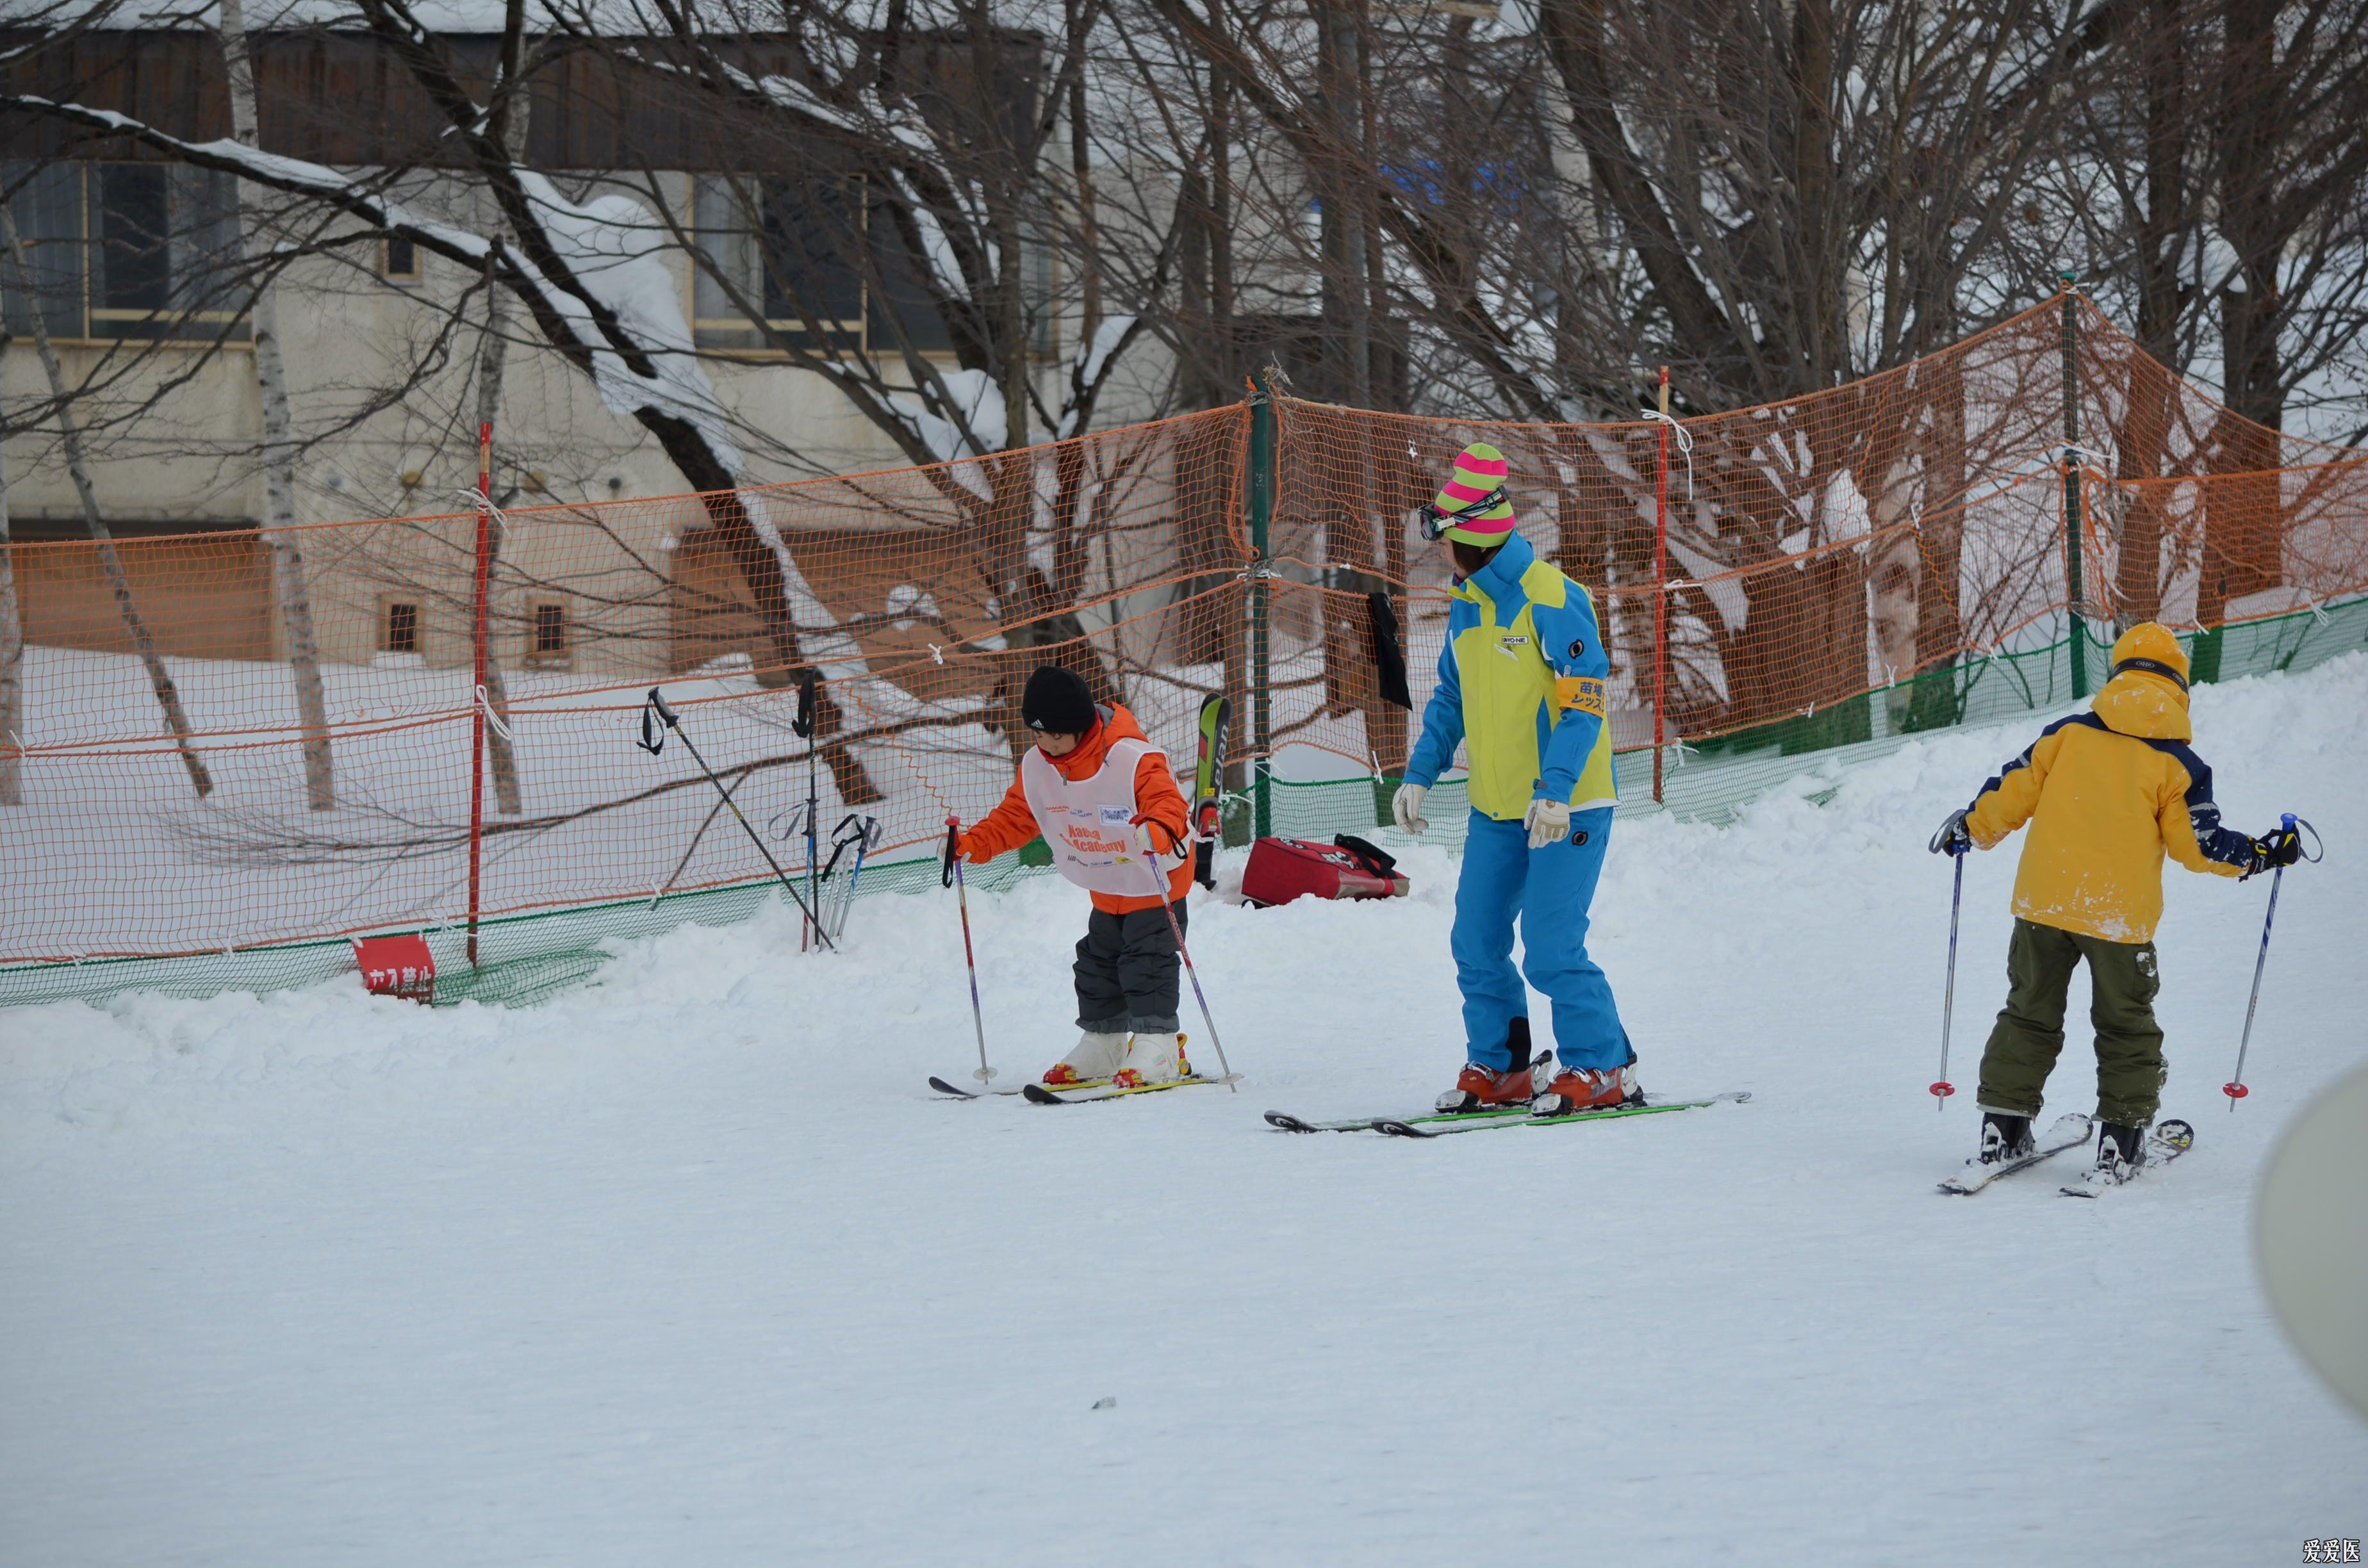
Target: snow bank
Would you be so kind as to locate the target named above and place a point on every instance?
(688, 1266)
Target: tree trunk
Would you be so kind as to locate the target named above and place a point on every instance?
(2241, 521)
(499, 751)
(1348, 337)
(2166, 230)
(168, 696)
(288, 584)
(491, 355)
(11, 653)
(1941, 534)
(2137, 564)
(1081, 170)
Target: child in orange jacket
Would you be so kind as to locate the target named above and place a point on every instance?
(1101, 796)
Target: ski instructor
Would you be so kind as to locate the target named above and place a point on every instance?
(1520, 684)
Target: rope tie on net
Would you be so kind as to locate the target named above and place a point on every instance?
(1685, 442)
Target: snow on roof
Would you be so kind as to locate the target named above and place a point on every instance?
(438, 16)
(615, 17)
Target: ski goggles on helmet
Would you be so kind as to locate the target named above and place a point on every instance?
(1436, 520)
(2153, 667)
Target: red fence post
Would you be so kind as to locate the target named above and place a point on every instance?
(477, 690)
(1661, 587)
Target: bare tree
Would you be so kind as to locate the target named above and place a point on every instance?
(279, 442)
(884, 192)
(160, 681)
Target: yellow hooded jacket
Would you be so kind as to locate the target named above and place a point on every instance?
(2105, 793)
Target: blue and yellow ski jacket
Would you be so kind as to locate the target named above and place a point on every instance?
(1520, 684)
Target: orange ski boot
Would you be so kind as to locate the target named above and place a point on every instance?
(1484, 1089)
(1588, 1088)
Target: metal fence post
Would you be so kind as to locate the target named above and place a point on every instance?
(2073, 591)
(1261, 520)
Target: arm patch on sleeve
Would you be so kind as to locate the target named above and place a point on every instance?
(1582, 694)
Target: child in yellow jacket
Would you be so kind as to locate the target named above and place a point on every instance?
(2107, 793)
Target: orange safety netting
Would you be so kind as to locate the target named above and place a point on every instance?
(1822, 554)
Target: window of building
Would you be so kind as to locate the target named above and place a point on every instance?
(546, 635)
(138, 251)
(791, 249)
(398, 260)
(837, 252)
(398, 626)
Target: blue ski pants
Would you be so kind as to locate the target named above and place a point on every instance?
(1549, 890)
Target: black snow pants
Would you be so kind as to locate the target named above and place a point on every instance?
(1127, 972)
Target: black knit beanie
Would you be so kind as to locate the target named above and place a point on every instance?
(1058, 701)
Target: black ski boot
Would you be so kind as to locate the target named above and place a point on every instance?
(2121, 1150)
(2004, 1137)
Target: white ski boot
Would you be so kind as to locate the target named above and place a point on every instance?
(1152, 1059)
(1095, 1057)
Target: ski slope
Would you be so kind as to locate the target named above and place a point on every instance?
(688, 1267)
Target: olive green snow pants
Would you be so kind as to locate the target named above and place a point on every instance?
(2029, 1034)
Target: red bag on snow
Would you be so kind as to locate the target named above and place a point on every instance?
(1280, 869)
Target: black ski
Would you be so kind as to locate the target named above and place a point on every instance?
(1435, 1128)
(982, 1092)
(1038, 1093)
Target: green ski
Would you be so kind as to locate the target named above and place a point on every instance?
(1208, 786)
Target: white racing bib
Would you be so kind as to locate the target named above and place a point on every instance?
(1087, 823)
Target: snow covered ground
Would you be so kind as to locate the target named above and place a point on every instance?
(690, 1266)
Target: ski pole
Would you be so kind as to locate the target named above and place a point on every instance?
(2235, 1088)
(653, 742)
(1942, 1087)
(962, 897)
(1159, 886)
(871, 833)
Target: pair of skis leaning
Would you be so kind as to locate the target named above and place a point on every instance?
(2164, 1144)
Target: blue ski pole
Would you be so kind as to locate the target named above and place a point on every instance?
(2235, 1087)
(1942, 1087)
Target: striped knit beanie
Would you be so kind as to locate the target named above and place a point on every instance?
(1479, 468)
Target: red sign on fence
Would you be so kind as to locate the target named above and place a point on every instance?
(398, 966)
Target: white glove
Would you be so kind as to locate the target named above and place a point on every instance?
(1145, 843)
(1405, 809)
(1548, 821)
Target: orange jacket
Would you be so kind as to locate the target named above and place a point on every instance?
(1012, 824)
